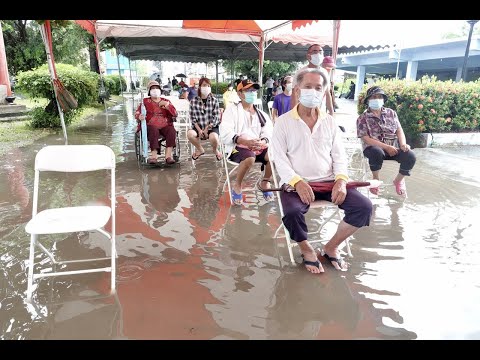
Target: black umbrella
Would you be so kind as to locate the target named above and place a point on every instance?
(181, 75)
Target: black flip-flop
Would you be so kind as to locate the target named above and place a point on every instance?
(195, 158)
(339, 261)
(315, 263)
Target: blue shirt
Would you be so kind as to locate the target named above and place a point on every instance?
(281, 102)
(192, 92)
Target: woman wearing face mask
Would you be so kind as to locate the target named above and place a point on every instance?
(308, 147)
(205, 117)
(383, 139)
(160, 114)
(281, 102)
(246, 132)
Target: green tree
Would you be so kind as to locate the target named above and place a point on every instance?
(463, 32)
(270, 68)
(25, 50)
(23, 45)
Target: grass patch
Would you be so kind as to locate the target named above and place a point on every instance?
(19, 133)
(32, 102)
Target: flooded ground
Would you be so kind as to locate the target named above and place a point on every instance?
(190, 266)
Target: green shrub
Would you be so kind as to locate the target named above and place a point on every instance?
(82, 84)
(428, 105)
(112, 83)
(44, 119)
(222, 87)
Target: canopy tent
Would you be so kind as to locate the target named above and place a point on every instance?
(166, 41)
(210, 40)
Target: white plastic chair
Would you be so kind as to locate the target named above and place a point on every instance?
(71, 159)
(258, 103)
(229, 172)
(358, 167)
(183, 118)
(270, 107)
(326, 205)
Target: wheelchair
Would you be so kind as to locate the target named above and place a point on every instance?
(141, 142)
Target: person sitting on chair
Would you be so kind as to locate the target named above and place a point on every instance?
(205, 117)
(383, 139)
(307, 146)
(246, 132)
(160, 114)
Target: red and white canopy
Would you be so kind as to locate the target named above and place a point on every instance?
(223, 30)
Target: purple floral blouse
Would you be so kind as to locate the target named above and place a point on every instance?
(382, 129)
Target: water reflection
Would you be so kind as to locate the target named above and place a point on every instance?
(190, 266)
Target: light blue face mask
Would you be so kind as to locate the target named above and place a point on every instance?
(375, 104)
(250, 97)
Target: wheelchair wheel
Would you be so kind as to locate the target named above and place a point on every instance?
(137, 146)
(176, 149)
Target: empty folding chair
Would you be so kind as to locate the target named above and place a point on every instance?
(182, 123)
(259, 104)
(71, 159)
(270, 107)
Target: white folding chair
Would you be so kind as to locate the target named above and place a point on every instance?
(183, 118)
(357, 163)
(358, 166)
(259, 104)
(326, 205)
(229, 172)
(71, 159)
(270, 107)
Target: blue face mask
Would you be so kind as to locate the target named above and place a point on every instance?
(375, 104)
(250, 97)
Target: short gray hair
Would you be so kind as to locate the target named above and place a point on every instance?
(323, 73)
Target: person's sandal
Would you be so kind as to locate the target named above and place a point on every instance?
(169, 161)
(267, 195)
(237, 198)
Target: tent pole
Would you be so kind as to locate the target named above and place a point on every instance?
(131, 80)
(44, 30)
(4, 79)
(261, 54)
(336, 33)
(216, 76)
(120, 77)
(97, 52)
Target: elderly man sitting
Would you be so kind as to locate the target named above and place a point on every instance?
(307, 146)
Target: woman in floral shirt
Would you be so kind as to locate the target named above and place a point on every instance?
(383, 139)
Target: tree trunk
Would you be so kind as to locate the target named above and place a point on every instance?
(93, 60)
